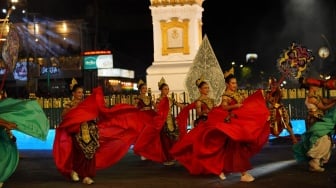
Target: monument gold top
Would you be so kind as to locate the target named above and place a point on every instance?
(175, 2)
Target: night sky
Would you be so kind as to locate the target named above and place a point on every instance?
(265, 27)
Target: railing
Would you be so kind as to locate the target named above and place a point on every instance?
(293, 100)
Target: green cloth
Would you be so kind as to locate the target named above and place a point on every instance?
(9, 156)
(27, 115)
(319, 129)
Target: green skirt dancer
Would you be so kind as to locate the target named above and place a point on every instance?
(9, 155)
(30, 119)
(318, 135)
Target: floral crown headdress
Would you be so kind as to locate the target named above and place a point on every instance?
(199, 81)
(229, 72)
(161, 82)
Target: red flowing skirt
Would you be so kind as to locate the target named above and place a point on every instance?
(217, 146)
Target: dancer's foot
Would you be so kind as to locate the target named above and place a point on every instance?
(314, 166)
(316, 169)
(246, 178)
(88, 180)
(74, 176)
(143, 158)
(222, 176)
(169, 163)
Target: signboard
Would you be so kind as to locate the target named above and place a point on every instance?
(98, 60)
(123, 73)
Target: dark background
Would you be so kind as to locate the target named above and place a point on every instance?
(234, 28)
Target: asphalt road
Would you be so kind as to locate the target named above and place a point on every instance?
(274, 167)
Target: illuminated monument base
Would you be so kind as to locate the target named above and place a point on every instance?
(174, 74)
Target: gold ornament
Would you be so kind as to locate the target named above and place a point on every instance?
(199, 81)
(141, 82)
(162, 81)
(229, 72)
(73, 83)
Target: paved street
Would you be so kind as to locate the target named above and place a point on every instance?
(273, 167)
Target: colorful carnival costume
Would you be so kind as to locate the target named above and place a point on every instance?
(118, 128)
(279, 116)
(30, 119)
(227, 140)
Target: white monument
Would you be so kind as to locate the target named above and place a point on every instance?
(177, 35)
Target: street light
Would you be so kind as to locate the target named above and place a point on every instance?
(324, 52)
(251, 57)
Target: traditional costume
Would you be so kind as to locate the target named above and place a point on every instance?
(30, 119)
(117, 127)
(227, 140)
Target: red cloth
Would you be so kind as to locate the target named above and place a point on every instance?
(149, 143)
(118, 128)
(182, 119)
(216, 146)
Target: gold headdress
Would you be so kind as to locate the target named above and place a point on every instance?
(73, 83)
(162, 81)
(229, 72)
(141, 82)
(199, 81)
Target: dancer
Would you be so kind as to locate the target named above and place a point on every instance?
(316, 143)
(316, 105)
(9, 155)
(85, 142)
(143, 101)
(279, 115)
(92, 136)
(203, 105)
(25, 116)
(145, 104)
(163, 132)
(233, 133)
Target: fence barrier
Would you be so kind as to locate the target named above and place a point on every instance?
(293, 99)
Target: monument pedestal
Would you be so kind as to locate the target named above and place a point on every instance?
(174, 74)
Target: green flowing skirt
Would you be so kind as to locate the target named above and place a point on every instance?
(319, 129)
(9, 156)
(27, 115)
